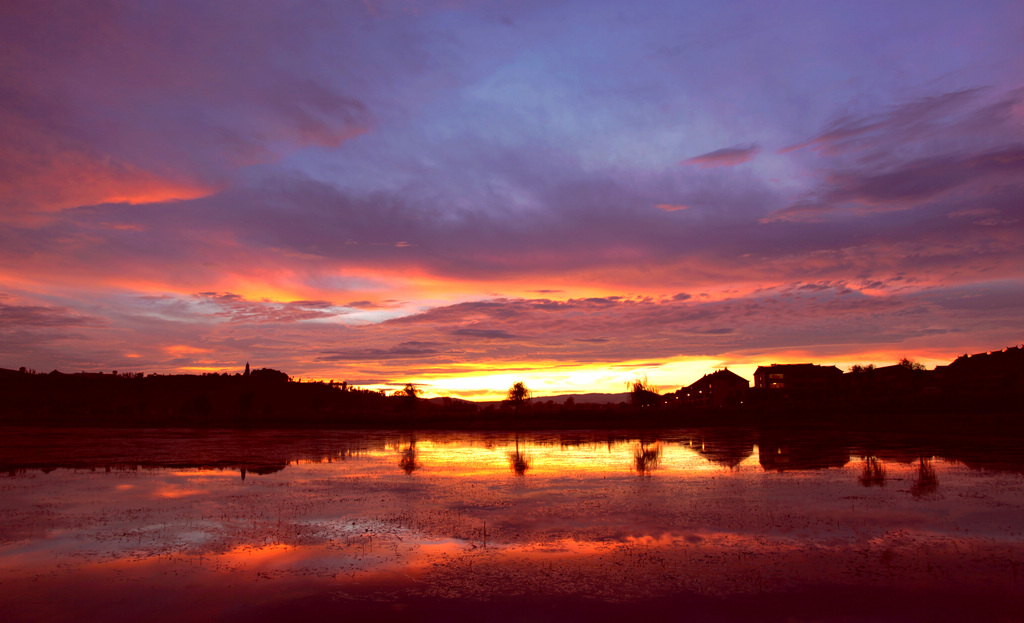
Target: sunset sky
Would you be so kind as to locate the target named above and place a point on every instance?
(467, 194)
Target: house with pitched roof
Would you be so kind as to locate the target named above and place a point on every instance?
(719, 389)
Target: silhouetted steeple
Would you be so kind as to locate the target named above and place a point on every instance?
(246, 372)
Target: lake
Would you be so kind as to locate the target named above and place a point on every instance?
(702, 524)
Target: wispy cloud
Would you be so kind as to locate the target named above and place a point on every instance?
(725, 157)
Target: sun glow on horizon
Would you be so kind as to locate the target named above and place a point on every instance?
(553, 378)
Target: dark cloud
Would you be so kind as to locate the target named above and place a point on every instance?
(490, 334)
(912, 120)
(405, 350)
(912, 184)
(360, 382)
(941, 152)
(20, 316)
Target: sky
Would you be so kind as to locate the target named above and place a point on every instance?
(462, 195)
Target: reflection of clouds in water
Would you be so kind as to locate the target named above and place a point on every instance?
(581, 521)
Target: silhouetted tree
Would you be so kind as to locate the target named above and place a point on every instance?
(642, 393)
(268, 375)
(518, 394)
(910, 364)
(408, 395)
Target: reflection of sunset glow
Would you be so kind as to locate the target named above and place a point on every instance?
(199, 475)
(706, 518)
(173, 493)
(251, 555)
(457, 460)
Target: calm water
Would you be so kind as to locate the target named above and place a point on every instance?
(717, 525)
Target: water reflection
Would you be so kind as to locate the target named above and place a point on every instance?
(408, 461)
(267, 452)
(260, 470)
(873, 472)
(788, 450)
(324, 515)
(927, 481)
(518, 460)
(646, 457)
(728, 447)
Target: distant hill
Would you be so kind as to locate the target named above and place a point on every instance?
(599, 399)
(594, 399)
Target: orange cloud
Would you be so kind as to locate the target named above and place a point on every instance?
(54, 175)
(179, 350)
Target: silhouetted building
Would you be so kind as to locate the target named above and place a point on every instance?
(720, 388)
(895, 381)
(798, 380)
(998, 372)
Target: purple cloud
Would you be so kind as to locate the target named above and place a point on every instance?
(945, 153)
(403, 351)
(39, 316)
(487, 334)
(726, 157)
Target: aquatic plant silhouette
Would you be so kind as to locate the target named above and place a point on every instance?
(646, 458)
(927, 481)
(873, 472)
